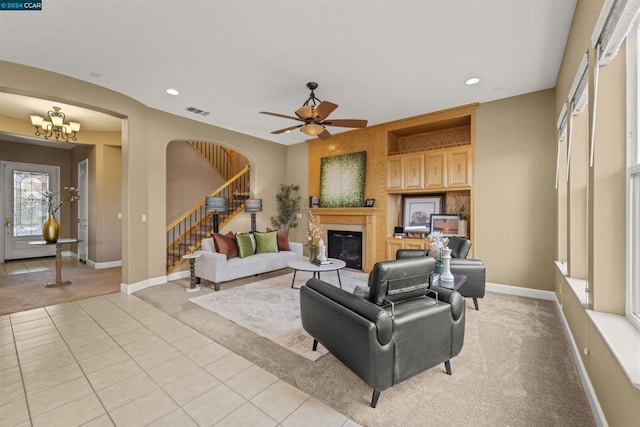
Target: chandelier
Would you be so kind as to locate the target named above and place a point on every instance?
(55, 126)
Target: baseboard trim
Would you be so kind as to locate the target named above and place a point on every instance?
(101, 265)
(178, 275)
(521, 292)
(592, 398)
(138, 286)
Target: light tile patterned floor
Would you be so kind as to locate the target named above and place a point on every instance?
(116, 360)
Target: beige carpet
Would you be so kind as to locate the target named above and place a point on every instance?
(25, 290)
(515, 368)
(271, 308)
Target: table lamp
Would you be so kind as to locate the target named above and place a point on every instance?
(216, 205)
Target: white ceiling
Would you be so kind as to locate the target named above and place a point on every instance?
(379, 60)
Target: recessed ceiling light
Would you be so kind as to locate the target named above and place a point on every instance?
(173, 92)
(473, 81)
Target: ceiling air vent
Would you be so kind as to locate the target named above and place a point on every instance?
(198, 111)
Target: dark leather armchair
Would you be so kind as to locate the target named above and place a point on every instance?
(395, 332)
(474, 285)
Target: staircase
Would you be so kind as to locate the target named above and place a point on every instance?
(185, 234)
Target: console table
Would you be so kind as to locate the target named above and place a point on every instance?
(58, 244)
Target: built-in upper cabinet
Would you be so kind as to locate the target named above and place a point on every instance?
(459, 168)
(413, 168)
(394, 173)
(405, 172)
(436, 170)
(432, 170)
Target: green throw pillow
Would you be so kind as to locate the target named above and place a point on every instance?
(245, 245)
(266, 242)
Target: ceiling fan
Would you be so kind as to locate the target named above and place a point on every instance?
(313, 115)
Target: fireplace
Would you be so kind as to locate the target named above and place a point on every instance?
(347, 246)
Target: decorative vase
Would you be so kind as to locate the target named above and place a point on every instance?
(313, 253)
(51, 230)
(462, 228)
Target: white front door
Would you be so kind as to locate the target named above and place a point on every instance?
(83, 209)
(25, 207)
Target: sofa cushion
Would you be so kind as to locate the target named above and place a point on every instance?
(266, 242)
(283, 239)
(208, 245)
(226, 244)
(277, 260)
(245, 244)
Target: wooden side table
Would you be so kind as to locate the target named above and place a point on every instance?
(58, 244)
(193, 286)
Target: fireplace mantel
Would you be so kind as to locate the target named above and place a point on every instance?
(367, 217)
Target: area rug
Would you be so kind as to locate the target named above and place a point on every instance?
(271, 308)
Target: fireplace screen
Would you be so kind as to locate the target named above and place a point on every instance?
(347, 246)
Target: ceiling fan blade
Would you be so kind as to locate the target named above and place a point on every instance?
(279, 131)
(346, 123)
(280, 115)
(324, 109)
(324, 135)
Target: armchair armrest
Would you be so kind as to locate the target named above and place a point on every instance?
(366, 309)
(453, 298)
(475, 271)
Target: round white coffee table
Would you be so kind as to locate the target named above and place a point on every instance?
(304, 264)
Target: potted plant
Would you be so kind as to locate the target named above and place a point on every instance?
(288, 202)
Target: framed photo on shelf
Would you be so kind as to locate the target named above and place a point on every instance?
(370, 202)
(447, 224)
(418, 212)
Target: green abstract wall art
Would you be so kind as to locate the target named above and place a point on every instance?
(342, 180)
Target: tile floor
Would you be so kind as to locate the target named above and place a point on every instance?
(116, 360)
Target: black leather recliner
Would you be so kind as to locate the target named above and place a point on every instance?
(474, 285)
(396, 331)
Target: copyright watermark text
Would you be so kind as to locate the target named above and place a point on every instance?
(19, 5)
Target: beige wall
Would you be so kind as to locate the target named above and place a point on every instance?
(190, 179)
(146, 134)
(514, 190)
(619, 399)
(105, 170)
(297, 166)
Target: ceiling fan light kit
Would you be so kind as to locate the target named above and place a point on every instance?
(313, 113)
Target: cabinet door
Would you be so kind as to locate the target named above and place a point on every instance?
(394, 173)
(414, 244)
(436, 170)
(414, 172)
(392, 246)
(459, 168)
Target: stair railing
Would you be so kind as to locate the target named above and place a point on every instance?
(220, 158)
(185, 234)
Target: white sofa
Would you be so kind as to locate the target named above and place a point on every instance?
(216, 268)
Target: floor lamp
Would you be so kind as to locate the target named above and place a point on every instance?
(216, 205)
(252, 206)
